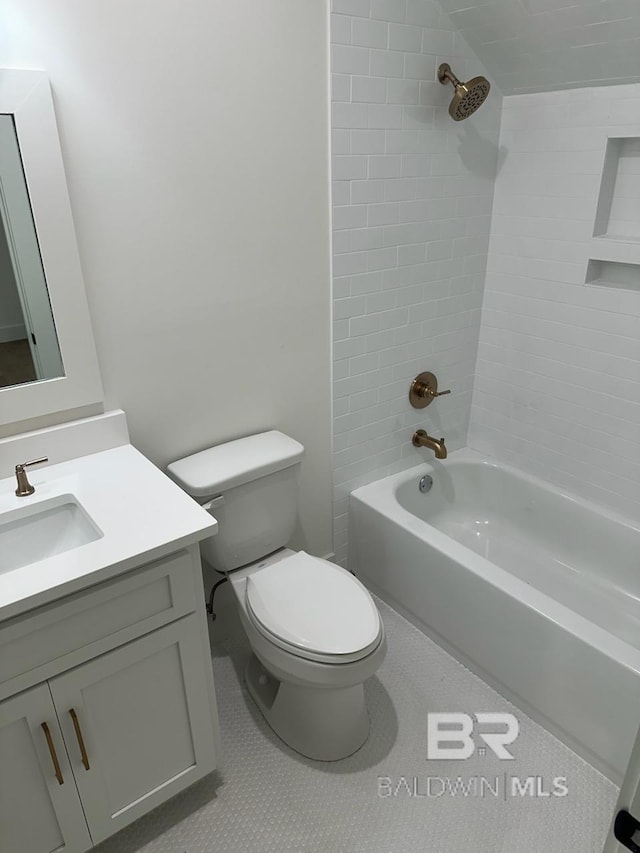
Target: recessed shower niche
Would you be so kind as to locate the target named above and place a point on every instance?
(618, 211)
(614, 258)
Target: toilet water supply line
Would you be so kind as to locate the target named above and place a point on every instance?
(211, 595)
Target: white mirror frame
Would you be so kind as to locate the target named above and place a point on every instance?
(26, 96)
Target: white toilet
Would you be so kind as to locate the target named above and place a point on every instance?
(315, 631)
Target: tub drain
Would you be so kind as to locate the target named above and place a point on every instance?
(425, 483)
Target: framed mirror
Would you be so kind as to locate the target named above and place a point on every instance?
(48, 362)
(29, 348)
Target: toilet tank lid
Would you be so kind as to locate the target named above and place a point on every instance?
(233, 463)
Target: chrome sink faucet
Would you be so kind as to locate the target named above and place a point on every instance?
(24, 486)
(422, 439)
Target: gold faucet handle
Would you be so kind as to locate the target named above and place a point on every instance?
(33, 462)
(424, 389)
(24, 486)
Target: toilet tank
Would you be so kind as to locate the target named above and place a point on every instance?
(250, 486)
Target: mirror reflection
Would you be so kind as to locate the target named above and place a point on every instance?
(29, 349)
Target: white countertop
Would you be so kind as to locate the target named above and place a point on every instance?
(141, 513)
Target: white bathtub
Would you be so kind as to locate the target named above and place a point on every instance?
(536, 591)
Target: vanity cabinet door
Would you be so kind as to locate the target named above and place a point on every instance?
(40, 810)
(137, 723)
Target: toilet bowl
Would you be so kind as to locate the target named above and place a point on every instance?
(309, 685)
(314, 630)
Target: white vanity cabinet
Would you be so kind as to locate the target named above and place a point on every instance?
(116, 709)
(36, 812)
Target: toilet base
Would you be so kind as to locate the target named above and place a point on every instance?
(322, 723)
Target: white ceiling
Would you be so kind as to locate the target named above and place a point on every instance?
(539, 45)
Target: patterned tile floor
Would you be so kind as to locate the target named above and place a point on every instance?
(387, 798)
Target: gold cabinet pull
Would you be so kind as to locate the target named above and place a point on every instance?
(80, 739)
(52, 753)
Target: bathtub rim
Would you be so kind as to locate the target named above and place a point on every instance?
(380, 495)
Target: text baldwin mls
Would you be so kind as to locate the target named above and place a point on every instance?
(505, 787)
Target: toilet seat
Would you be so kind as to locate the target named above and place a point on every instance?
(313, 609)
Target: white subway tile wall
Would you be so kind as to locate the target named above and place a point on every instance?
(412, 199)
(557, 388)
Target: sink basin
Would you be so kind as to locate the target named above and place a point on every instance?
(43, 529)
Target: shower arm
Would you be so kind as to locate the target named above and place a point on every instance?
(445, 73)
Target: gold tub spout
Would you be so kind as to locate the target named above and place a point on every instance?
(421, 439)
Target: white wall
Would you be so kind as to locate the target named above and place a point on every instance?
(557, 390)
(412, 195)
(540, 45)
(195, 141)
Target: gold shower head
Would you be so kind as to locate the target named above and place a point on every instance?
(468, 97)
